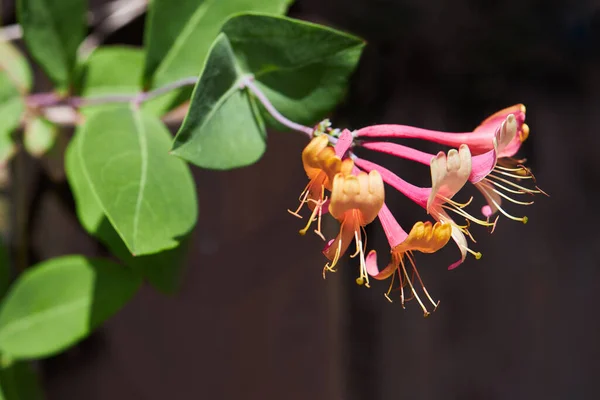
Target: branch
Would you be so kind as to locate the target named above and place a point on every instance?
(247, 83)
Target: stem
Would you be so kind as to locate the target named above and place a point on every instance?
(247, 82)
(137, 98)
(189, 81)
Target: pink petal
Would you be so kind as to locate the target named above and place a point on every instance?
(399, 150)
(482, 165)
(393, 231)
(344, 142)
(417, 194)
(373, 268)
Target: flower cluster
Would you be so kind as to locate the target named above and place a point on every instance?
(351, 189)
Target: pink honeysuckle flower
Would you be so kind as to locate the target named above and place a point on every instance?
(491, 179)
(423, 237)
(479, 140)
(449, 174)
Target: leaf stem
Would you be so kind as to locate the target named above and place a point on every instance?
(247, 83)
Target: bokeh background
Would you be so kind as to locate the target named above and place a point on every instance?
(254, 319)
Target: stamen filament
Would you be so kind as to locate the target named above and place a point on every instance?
(526, 190)
(523, 203)
(523, 219)
(455, 203)
(363, 279)
(514, 176)
(425, 312)
(468, 216)
(490, 182)
(435, 305)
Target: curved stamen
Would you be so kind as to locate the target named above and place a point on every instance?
(523, 219)
(490, 182)
(523, 203)
(414, 292)
(524, 189)
(410, 258)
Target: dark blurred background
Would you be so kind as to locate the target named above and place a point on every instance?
(255, 320)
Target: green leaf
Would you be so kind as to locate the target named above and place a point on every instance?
(59, 302)
(15, 66)
(4, 269)
(147, 195)
(19, 382)
(11, 109)
(113, 70)
(178, 38)
(302, 68)
(162, 270)
(221, 130)
(15, 82)
(39, 136)
(53, 30)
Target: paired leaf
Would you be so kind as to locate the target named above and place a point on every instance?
(178, 37)
(19, 382)
(53, 30)
(301, 67)
(222, 129)
(148, 196)
(58, 302)
(162, 270)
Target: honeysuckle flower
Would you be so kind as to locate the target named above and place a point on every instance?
(449, 174)
(423, 237)
(356, 199)
(494, 181)
(321, 163)
(479, 141)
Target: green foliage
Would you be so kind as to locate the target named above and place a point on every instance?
(15, 81)
(39, 136)
(130, 193)
(302, 67)
(222, 129)
(15, 66)
(53, 30)
(18, 381)
(56, 303)
(112, 70)
(178, 38)
(148, 196)
(162, 270)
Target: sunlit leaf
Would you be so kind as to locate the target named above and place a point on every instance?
(148, 196)
(162, 270)
(302, 68)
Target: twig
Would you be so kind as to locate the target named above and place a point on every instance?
(247, 82)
